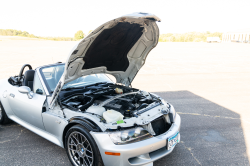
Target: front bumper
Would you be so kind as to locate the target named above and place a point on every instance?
(138, 153)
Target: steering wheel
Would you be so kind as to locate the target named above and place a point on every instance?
(22, 69)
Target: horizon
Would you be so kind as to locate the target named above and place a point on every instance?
(91, 30)
(60, 19)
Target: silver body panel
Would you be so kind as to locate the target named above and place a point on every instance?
(29, 110)
(154, 148)
(43, 133)
(28, 113)
(51, 124)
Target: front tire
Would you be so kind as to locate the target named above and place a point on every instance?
(81, 147)
(3, 116)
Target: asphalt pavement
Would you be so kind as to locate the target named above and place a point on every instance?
(210, 135)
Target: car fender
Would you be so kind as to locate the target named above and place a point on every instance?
(86, 123)
(5, 87)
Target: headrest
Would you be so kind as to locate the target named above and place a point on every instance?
(29, 75)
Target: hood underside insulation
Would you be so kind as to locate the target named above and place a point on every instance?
(111, 47)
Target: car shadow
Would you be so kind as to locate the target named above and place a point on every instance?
(210, 135)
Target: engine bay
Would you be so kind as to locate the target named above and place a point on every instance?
(125, 100)
(115, 106)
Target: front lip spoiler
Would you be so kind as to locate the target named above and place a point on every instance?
(154, 147)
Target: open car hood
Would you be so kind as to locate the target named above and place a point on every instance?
(118, 47)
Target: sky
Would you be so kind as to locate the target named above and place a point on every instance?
(64, 18)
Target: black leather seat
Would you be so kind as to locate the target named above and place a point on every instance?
(29, 79)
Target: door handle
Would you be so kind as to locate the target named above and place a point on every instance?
(12, 95)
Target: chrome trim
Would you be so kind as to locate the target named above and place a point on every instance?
(30, 94)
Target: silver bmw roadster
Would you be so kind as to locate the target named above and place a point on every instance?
(76, 105)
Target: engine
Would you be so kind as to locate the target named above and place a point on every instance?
(120, 98)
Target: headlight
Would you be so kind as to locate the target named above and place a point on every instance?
(129, 136)
(165, 103)
(172, 114)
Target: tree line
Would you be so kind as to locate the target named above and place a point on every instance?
(169, 37)
(12, 32)
(188, 37)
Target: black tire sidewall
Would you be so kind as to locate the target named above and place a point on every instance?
(85, 132)
(1, 119)
(4, 118)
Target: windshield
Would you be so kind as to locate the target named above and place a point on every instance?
(53, 74)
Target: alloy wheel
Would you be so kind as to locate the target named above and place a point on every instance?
(80, 150)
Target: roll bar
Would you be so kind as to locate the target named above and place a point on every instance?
(22, 69)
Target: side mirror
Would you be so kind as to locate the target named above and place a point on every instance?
(26, 90)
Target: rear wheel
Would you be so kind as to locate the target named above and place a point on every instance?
(3, 116)
(81, 147)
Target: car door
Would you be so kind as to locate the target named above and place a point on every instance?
(29, 110)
